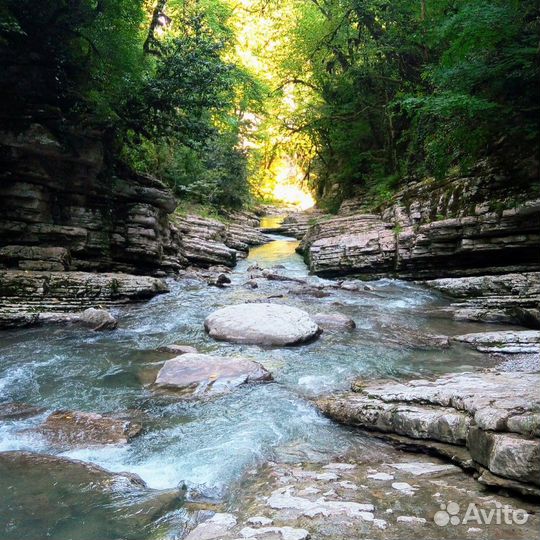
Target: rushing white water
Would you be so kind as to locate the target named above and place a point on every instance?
(209, 445)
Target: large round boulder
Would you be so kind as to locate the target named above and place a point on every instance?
(262, 324)
(205, 374)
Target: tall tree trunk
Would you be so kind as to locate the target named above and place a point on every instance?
(151, 40)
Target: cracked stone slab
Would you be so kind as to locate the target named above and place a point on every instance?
(507, 341)
(419, 468)
(478, 420)
(284, 498)
(284, 533)
(214, 528)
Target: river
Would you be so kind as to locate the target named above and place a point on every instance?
(207, 446)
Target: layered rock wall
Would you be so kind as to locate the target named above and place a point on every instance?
(477, 225)
(60, 211)
(67, 221)
(485, 421)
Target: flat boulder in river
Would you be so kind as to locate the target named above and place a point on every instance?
(205, 374)
(75, 428)
(262, 324)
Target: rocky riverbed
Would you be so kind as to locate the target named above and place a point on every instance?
(192, 422)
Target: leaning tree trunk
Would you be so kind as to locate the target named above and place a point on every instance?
(150, 45)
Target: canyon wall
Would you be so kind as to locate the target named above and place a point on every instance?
(60, 210)
(73, 233)
(463, 226)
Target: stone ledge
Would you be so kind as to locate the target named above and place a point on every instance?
(493, 417)
(28, 298)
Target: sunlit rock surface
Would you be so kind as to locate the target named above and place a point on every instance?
(385, 496)
(203, 374)
(261, 324)
(459, 227)
(494, 415)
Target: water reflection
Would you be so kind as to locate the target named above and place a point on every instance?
(271, 222)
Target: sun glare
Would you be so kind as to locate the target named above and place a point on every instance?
(288, 187)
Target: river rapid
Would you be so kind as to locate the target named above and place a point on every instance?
(206, 446)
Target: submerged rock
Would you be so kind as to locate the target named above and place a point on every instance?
(178, 349)
(494, 416)
(221, 280)
(74, 428)
(96, 319)
(203, 374)
(398, 336)
(46, 495)
(18, 411)
(334, 321)
(75, 469)
(261, 324)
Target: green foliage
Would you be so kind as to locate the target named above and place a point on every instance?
(358, 94)
(399, 91)
(172, 110)
(80, 56)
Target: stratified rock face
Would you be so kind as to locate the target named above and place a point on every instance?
(73, 428)
(261, 324)
(353, 244)
(203, 374)
(297, 224)
(208, 242)
(465, 226)
(504, 341)
(55, 194)
(495, 416)
(510, 298)
(61, 209)
(31, 297)
(202, 241)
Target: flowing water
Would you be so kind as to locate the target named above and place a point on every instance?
(206, 446)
